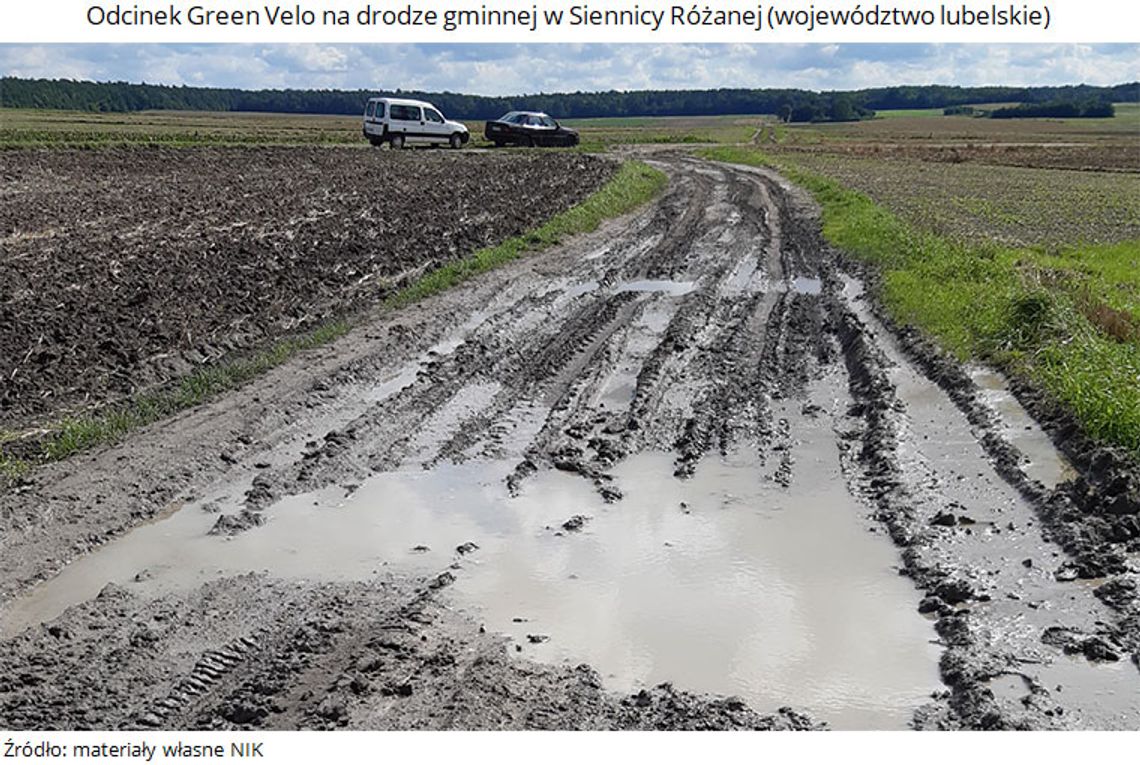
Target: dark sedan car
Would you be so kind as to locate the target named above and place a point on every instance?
(529, 129)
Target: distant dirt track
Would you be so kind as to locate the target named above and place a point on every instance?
(727, 317)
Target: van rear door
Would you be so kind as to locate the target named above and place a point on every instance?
(374, 118)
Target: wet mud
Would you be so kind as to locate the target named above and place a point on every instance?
(683, 452)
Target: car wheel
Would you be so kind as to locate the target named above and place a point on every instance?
(397, 142)
(456, 140)
(529, 142)
(499, 144)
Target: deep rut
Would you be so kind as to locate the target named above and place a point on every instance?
(714, 324)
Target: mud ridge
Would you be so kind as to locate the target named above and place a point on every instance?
(1095, 516)
(709, 336)
(250, 653)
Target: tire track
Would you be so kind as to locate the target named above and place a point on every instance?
(710, 324)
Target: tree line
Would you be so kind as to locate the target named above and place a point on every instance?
(1059, 108)
(789, 104)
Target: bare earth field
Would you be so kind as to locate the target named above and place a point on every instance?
(1111, 144)
(37, 127)
(22, 128)
(124, 268)
(677, 473)
(973, 200)
(1029, 182)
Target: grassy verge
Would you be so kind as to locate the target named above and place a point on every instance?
(11, 468)
(634, 184)
(1067, 320)
(73, 435)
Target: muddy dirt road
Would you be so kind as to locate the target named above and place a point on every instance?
(679, 453)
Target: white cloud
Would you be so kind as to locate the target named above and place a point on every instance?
(516, 69)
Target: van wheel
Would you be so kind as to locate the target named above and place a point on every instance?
(397, 142)
(456, 140)
(375, 142)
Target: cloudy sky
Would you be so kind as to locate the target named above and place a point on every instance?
(518, 69)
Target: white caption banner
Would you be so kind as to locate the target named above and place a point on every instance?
(568, 21)
(285, 748)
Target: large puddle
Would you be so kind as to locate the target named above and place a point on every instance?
(724, 583)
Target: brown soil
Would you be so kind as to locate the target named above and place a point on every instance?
(123, 268)
(716, 313)
(1124, 157)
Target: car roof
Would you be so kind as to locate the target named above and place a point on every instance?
(529, 114)
(404, 102)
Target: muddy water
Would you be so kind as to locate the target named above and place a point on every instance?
(1042, 460)
(725, 583)
(656, 285)
(718, 584)
(806, 286)
(761, 575)
(1001, 549)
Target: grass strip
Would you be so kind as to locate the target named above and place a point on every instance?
(1034, 314)
(75, 434)
(634, 184)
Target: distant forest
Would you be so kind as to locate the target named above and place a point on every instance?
(788, 104)
(1057, 109)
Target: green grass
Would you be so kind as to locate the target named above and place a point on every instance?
(904, 126)
(11, 468)
(91, 139)
(601, 133)
(613, 122)
(887, 114)
(1052, 317)
(1129, 112)
(35, 128)
(75, 434)
(634, 184)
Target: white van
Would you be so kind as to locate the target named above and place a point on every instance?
(400, 121)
